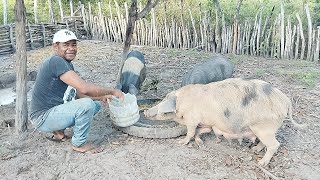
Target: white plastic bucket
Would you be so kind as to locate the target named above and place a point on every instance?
(124, 113)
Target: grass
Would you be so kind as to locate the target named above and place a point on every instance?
(260, 72)
(307, 77)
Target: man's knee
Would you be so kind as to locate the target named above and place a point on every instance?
(87, 104)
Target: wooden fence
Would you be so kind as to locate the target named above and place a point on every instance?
(279, 38)
(37, 35)
(270, 37)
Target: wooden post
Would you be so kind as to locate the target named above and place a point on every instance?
(195, 34)
(292, 42)
(35, 8)
(11, 38)
(282, 31)
(30, 36)
(235, 28)
(316, 52)
(217, 32)
(297, 43)
(101, 20)
(21, 68)
(43, 29)
(5, 17)
(309, 32)
(50, 12)
(61, 10)
(71, 7)
(302, 37)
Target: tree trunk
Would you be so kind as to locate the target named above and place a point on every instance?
(21, 68)
(133, 16)
(129, 33)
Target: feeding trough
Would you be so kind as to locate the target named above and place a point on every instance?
(147, 128)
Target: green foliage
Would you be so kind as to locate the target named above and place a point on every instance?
(172, 9)
(309, 78)
(260, 72)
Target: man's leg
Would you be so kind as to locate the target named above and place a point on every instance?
(77, 113)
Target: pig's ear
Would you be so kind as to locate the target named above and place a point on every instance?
(171, 95)
(168, 105)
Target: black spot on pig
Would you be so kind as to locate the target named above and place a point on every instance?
(227, 113)
(250, 95)
(267, 88)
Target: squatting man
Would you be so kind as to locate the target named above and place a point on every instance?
(61, 99)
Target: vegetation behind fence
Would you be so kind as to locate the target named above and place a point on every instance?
(276, 35)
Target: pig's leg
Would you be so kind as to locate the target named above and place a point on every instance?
(218, 134)
(191, 130)
(258, 147)
(266, 134)
(199, 131)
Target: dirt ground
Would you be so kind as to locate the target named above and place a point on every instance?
(32, 156)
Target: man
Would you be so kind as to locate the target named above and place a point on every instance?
(61, 99)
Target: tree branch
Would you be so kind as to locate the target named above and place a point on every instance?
(146, 9)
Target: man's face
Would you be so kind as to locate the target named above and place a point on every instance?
(67, 50)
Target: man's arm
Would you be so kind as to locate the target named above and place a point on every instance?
(88, 89)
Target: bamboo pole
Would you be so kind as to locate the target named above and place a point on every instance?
(302, 37)
(223, 35)
(316, 52)
(297, 43)
(257, 42)
(287, 41)
(43, 30)
(5, 16)
(309, 32)
(293, 34)
(71, 7)
(121, 24)
(154, 33)
(282, 31)
(313, 46)
(50, 12)
(30, 36)
(35, 8)
(103, 34)
(247, 41)
(61, 10)
(195, 35)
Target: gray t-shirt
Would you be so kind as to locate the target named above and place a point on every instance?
(49, 90)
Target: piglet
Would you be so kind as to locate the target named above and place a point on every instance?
(133, 73)
(215, 69)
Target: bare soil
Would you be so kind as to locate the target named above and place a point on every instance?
(32, 156)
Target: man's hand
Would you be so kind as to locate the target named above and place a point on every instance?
(118, 94)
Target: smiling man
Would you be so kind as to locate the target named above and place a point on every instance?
(61, 99)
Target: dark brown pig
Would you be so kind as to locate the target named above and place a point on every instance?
(234, 108)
